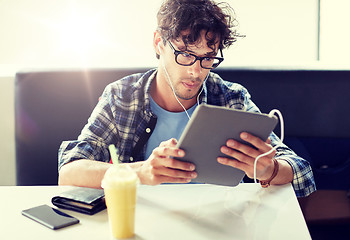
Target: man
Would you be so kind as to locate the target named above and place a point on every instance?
(144, 114)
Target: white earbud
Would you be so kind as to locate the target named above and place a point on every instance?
(160, 51)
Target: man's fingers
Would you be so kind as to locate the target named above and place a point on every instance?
(172, 163)
(163, 167)
(260, 145)
(255, 141)
(175, 173)
(239, 155)
(158, 179)
(165, 151)
(171, 143)
(235, 147)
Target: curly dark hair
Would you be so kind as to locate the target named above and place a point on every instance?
(175, 16)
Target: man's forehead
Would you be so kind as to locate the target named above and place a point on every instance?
(201, 42)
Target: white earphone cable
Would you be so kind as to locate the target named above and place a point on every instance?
(172, 88)
(272, 112)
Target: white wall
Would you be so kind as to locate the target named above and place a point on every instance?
(335, 34)
(7, 142)
(277, 32)
(115, 33)
(119, 33)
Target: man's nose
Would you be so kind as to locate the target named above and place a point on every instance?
(195, 69)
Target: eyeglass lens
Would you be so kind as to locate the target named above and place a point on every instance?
(189, 59)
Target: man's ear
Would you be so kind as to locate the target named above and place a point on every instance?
(157, 43)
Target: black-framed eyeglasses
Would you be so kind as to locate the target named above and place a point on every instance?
(188, 59)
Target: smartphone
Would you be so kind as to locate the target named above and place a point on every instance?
(50, 217)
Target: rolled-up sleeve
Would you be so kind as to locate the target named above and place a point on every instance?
(74, 150)
(93, 141)
(303, 180)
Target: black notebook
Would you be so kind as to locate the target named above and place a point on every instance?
(81, 199)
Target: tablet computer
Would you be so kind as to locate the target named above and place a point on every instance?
(208, 129)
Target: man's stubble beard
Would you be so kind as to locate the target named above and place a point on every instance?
(191, 93)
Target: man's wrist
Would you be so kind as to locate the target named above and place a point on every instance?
(266, 183)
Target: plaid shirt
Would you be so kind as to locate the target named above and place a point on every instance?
(123, 117)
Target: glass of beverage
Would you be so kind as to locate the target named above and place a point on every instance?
(120, 183)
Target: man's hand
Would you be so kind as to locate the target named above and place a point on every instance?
(245, 155)
(160, 167)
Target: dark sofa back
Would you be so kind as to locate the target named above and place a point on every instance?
(52, 106)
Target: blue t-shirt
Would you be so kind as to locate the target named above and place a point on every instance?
(169, 125)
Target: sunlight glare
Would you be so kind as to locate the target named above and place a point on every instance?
(79, 35)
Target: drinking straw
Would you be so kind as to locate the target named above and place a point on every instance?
(113, 153)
